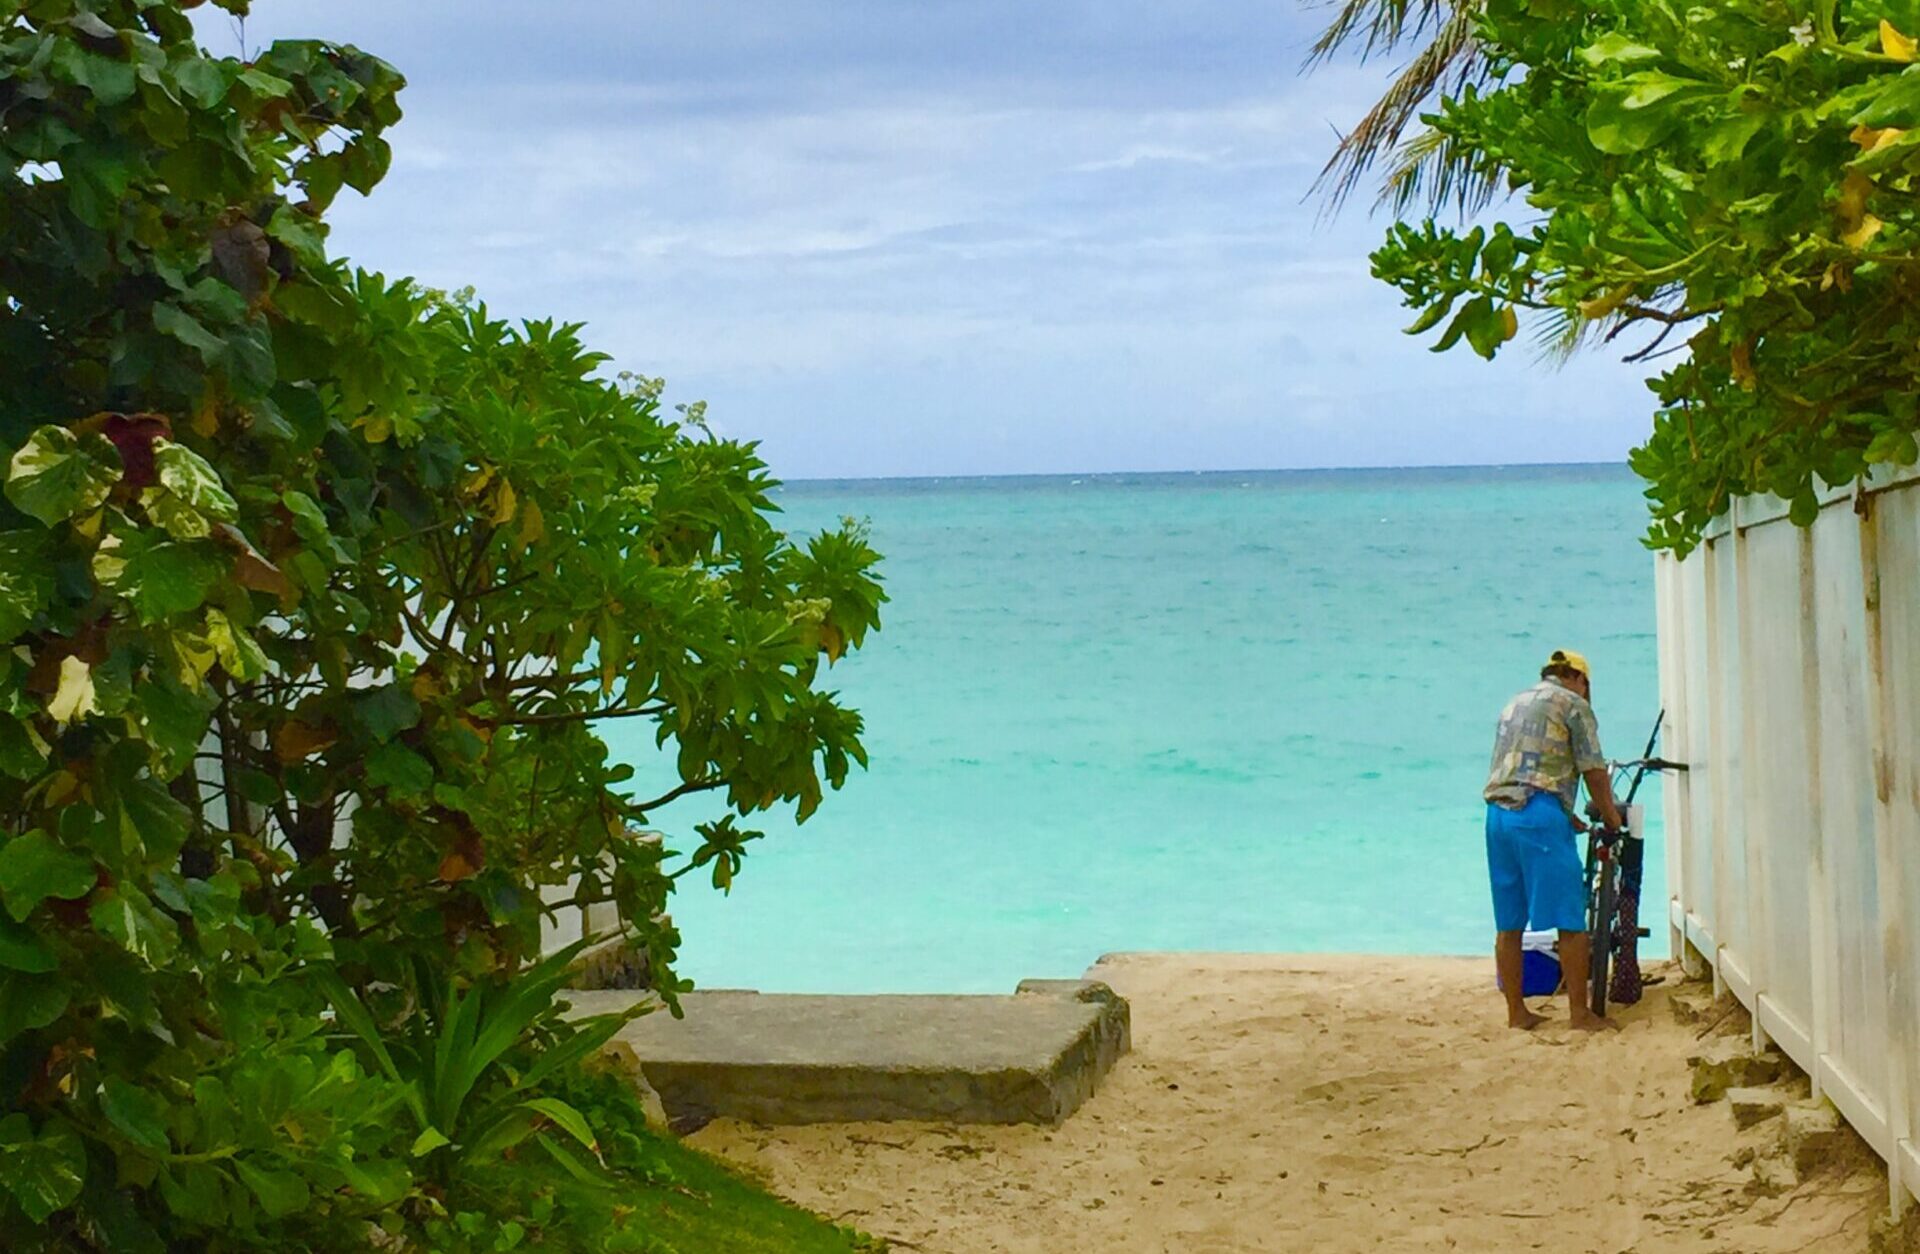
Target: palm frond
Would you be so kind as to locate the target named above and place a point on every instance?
(1560, 333)
(1431, 168)
(1381, 24)
(1449, 61)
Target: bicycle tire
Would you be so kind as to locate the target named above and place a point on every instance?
(1600, 937)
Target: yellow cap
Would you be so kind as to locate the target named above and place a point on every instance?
(1567, 657)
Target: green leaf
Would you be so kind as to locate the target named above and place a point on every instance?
(429, 1141)
(281, 1193)
(173, 718)
(500, 1135)
(1804, 509)
(379, 1182)
(1430, 318)
(30, 1001)
(112, 82)
(1726, 140)
(192, 1191)
(204, 80)
(97, 182)
(1635, 112)
(35, 867)
(386, 712)
(574, 1167)
(1470, 315)
(140, 1115)
(399, 768)
(45, 1173)
(1614, 48)
(238, 652)
(250, 356)
(1896, 104)
(353, 1015)
(21, 756)
(303, 235)
(165, 578)
(26, 580)
(265, 85)
(566, 1117)
(56, 475)
(21, 949)
(152, 822)
(195, 485)
(170, 319)
(127, 915)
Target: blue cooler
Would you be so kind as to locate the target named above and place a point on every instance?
(1539, 965)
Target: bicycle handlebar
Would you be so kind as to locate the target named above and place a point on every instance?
(1651, 764)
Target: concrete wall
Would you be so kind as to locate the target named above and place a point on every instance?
(1790, 671)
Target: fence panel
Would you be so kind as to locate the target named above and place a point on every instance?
(1779, 811)
(1728, 733)
(1857, 1039)
(1897, 519)
(1697, 856)
(1790, 667)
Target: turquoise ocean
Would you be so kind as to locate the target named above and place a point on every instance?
(1217, 711)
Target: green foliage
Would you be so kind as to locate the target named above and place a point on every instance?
(315, 586)
(1737, 180)
(682, 1201)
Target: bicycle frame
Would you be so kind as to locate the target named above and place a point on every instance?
(1607, 852)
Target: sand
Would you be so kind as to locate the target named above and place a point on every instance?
(1336, 1103)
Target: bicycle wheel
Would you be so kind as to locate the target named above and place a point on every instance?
(1606, 900)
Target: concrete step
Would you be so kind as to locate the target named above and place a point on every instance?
(779, 1058)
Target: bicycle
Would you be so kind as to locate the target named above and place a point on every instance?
(1613, 868)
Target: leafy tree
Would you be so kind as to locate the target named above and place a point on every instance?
(1737, 182)
(316, 586)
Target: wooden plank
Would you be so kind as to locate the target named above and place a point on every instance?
(1735, 976)
(1819, 900)
(1838, 1085)
(1754, 810)
(1699, 935)
(1786, 1031)
(1890, 882)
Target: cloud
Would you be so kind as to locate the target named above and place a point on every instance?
(959, 236)
(1139, 153)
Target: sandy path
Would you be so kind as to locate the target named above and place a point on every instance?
(1328, 1104)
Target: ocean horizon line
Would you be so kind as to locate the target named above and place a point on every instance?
(1077, 475)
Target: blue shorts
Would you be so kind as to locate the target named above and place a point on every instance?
(1535, 868)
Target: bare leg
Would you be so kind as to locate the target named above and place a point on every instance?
(1508, 962)
(1573, 961)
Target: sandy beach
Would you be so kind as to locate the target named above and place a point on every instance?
(1340, 1103)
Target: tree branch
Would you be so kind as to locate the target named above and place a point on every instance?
(581, 716)
(686, 789)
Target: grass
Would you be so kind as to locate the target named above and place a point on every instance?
(695, 1205)
(672, 1199)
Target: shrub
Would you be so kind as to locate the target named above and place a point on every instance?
(316, 585)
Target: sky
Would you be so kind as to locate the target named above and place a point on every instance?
(938, 237)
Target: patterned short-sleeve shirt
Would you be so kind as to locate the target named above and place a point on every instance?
(1548, 738)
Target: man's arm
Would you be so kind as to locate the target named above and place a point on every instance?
(1600, 789)
(1584, 731)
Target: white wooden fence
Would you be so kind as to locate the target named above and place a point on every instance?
(1790, 670)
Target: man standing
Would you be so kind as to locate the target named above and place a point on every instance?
(1548, 741)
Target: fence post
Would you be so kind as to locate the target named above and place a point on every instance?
(1898, 980)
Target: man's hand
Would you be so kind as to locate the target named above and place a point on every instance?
(1600, 788)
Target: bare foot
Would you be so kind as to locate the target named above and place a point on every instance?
(1525, 1021)
(1587, 1021)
